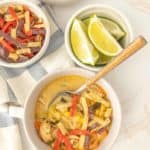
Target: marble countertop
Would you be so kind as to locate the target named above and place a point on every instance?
(131, 80)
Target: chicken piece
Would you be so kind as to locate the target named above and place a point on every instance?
(42, 25)
(45, 132)
(13, 33)
(13, 56)
(27, 21)
(23, 51)
(34, 44)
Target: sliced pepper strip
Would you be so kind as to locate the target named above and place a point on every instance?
(7, 46)
(58, 141)
(80, 132)
(57, 144)
(67, 143)
(25, 40)
(29, 55)
(62, 139)
(75, 101)
(37, 124)
(12, 12)
(1, 22)
(7, 25)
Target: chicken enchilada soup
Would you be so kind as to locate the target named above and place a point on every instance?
(73, 122)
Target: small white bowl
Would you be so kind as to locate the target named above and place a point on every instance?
(61, 2)
(103, 11)
(37, 10)
(29, 107)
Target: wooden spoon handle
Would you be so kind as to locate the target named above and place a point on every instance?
(136, 45)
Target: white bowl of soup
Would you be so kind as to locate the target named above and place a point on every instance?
(37, 107)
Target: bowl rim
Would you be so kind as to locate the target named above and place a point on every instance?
(61, 72)
(47, 35)
(78, 12)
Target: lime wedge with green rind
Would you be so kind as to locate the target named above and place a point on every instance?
(103, 60)
(102, 39)
(81, 45)
(112, 27)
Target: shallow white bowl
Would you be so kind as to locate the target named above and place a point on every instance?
(29, 108)
(37, 10)
(61, 2)
(103, 11)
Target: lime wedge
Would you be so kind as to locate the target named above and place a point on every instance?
(103, 60)
(102, 39)
(81, 45)
(112, 27)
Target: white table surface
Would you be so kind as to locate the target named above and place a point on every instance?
(131, 80)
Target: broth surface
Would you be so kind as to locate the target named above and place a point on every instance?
(70, 82)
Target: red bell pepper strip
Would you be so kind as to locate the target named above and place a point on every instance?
(29, 55)
(7, 25)
(57, 144)
(62, 139)
(26, 39)
(59, 134)
(59, 140)
(37, 124)
(67, 143)
(7, 46)
(80, 132)
(75, 101)
(12, 12)
(1, 22)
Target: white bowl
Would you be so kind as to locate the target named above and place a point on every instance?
(103, 11)
(37, 10)
(61, 2)
(29, 108)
